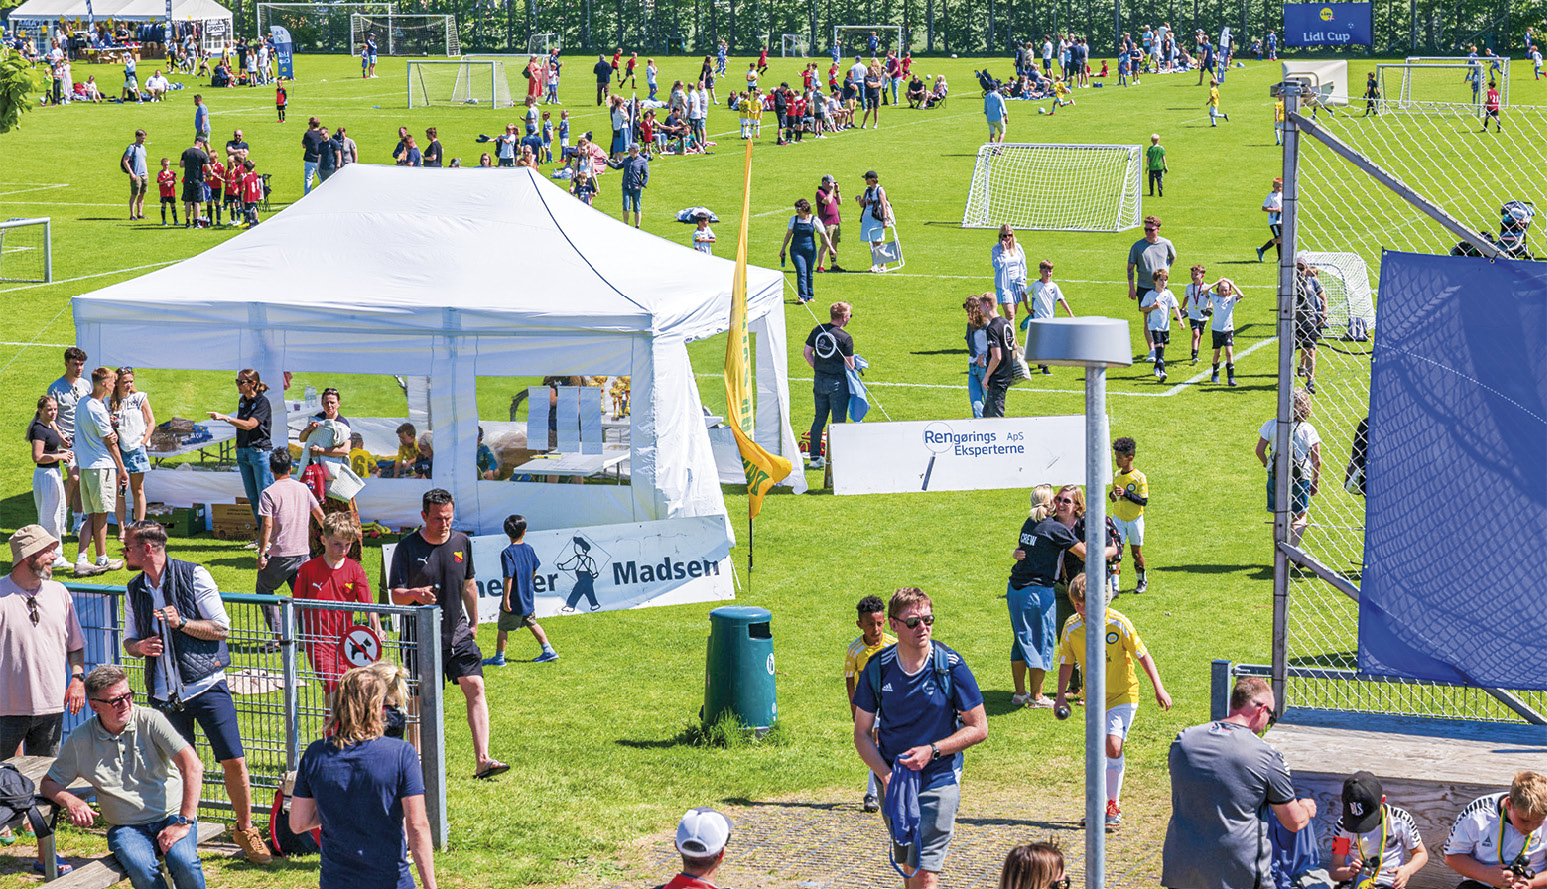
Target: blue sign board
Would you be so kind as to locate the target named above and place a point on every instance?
(1327, 24)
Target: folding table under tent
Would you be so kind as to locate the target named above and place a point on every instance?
(454, 274)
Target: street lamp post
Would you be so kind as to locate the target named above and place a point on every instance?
(1095, 344)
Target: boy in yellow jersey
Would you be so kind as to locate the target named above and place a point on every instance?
(1278, 122)
(1213, 104)
(1123, 648)
(1131, 492)
(873, 637)
(755, 111)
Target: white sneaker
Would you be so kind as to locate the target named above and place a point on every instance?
(818, 463)
(106, 564)
(1021, 699)
(84, 568)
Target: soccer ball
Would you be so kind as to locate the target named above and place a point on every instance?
(1041, 110)
(953, 55)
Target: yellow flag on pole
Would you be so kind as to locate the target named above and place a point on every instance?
(764, 470)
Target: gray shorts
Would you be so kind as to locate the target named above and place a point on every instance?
(36, 735)
(937, 824)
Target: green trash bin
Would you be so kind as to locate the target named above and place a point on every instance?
(739, 669)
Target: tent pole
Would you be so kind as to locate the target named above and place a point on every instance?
(750, 546)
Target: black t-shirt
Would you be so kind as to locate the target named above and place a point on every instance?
(255, 408)
(1002, 334)
(1074, 565)
(603, 71)
(432, 155)
(234, 145)
(193, 162)
(416, 563)
(52, 443)
(831, 346)
(1043, 542)
(311, 145)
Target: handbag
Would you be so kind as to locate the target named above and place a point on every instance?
(343, 483)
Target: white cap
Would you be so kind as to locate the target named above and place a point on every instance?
(702, 833)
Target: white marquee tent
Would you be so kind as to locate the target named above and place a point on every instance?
(214, 19)
(455, 275)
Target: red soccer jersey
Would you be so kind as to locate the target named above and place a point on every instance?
(234, 181)
(631, 63)
(762, 57)
(805, 77)
(617, 59)
(166, 181)
(1493, 99)
(280, 97)
(252, 188)
(832, 76)
(646, 130)
(907, 65)
(217, 176)
(321, 629)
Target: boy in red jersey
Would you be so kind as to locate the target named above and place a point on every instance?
(233, 188)
(331, 577)
(252, 192)
(281, 98)
(215, 178)
(166, 183)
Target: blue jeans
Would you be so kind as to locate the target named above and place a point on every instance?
(631, 199)
(253, 464)
(832, 398)
(309, 170)
(805, 260)
(134, 845)
(894, 90)
(976, 391)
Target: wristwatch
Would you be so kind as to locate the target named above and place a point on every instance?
(934, 750)
(179, 819)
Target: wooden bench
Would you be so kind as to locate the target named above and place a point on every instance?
(1430, 767)
(98, 873)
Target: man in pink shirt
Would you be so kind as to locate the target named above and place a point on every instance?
(285, 509)
(828, 203)
(39, 634)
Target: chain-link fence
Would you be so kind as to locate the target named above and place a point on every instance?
(287, 656)
(1361, 179)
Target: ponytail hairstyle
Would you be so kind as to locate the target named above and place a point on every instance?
(248, 375)
(1041, 502)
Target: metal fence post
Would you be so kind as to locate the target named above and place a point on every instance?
(291, 669)
(432, 719)
(1290, 91)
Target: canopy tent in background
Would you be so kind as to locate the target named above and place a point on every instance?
(38, 17)
(454, 275)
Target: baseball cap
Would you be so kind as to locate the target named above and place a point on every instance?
(1362, 796)
(29, 541)
(828, 178)
(872, 174)
(703, 832)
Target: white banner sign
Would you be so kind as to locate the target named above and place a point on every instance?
(957, 455)
(612, 567)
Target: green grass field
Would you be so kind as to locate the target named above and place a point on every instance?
(594, 740)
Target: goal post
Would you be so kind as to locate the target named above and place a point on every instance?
(26, 250)
(855, 39)
(467, 81)
(408, 35)
(794, 46)
(1076, 188)
(539, 44)
(1416, 87)
(321, 27)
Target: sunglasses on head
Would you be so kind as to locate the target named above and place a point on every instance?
(912, 623)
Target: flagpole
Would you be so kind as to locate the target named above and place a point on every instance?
(750, 546)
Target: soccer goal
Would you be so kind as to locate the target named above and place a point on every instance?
(855, 39)
(462, 82)
(26, 251)
(320, 27)
(1075, 188)
(1412, 85)
(408, 35)
(542, 44)
(794, 46)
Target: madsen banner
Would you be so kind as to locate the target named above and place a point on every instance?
(1327, 24)
(957, 455)
(612, 567)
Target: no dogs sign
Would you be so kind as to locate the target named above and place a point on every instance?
(359, 646)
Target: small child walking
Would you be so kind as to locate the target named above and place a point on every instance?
(873, 638)
(1043, 298)
(1222, 304)
(547, 137)
(281, 98)
(1195, 302)
(1155, 162)
(1131, 493)
(1158, 307)
(166, 184)
(703, 236)
(1213, 104)
(518, 608)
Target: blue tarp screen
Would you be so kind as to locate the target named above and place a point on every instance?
(1455, 581)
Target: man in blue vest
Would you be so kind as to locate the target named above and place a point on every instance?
(174, 619)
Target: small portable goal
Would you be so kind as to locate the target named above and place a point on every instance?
(1080, 188)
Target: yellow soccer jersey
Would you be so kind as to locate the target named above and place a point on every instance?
(1124, 647)
(1278, 112)
(1133, 482)
(859, 654)
(754, 110)
(1214, 96)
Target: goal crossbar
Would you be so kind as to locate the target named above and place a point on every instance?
(1418, 86)
(26, 250)
(395, 33)
(839, 31)
(287, 12)
(465, 81)
(794, 45)
(1048, 187)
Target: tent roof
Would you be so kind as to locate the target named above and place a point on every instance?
(145, 10)
(382, 249)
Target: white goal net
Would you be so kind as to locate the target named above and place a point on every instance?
(26, 250)
(855, 39)
(541, 44)
(318, 27)
(465, 82)
(1412, 86)
(794, 46)
(408, 35)
(1086, 188)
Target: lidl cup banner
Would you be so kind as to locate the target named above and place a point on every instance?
(957, 455)
(1327, 24)
(612, 567)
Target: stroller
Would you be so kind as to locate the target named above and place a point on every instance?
(1514, 224)
(986, 81)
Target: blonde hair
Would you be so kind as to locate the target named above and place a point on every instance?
(1041, 502)
(1077, 494)
(1032, 866)
(357, 712)
(1528, 794)
(341, 525)
(1077, 588)
(1302, 410)
(396, 679)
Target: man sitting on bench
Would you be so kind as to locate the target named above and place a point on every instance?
(149, 797)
